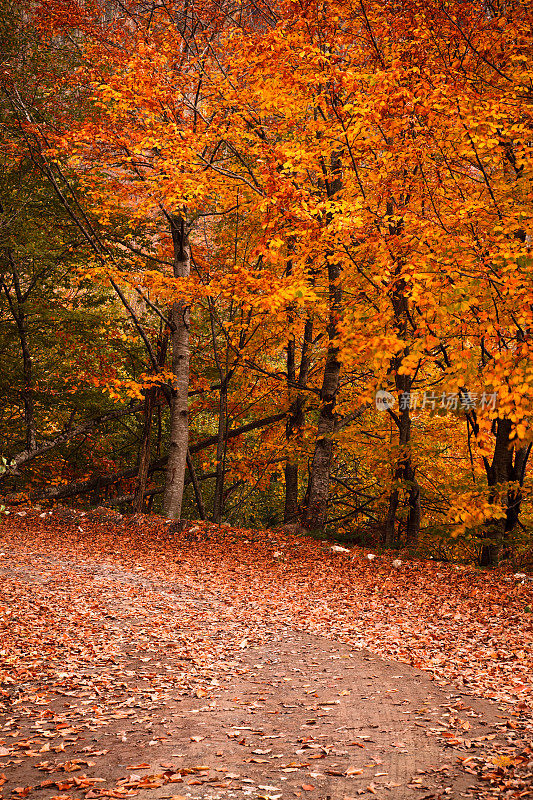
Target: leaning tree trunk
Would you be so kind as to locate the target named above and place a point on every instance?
(179, 419)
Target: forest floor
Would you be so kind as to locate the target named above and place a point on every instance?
(224, 663)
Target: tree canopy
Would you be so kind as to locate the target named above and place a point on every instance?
(271, 262)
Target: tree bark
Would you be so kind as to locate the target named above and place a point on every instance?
(508, 466)
(226, 371)
(317, 496)
(291, 508)
(144, 454)
(196, 486)
(16, 306)
(222, 433)
(404, 476)
(290, 511)
(145, 448)
(296, 419)
(179, 419)
(514, 496)
(218, 500)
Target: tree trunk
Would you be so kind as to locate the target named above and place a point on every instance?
(514, 496)
(295, 419)
(497, 473)
(290, 512)
(404, 471)
(144, 453)
(196, 486)
(145, 448)
(218, 500)
(291, 509)
(16, 306)
(224, 374)
(508, 465)
(317, 498)
(179, 420)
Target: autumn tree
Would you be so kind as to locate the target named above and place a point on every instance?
(323, 201)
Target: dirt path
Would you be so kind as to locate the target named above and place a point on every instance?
(312, 718)
(132, 705)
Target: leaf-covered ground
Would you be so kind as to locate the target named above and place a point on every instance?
(111, 626)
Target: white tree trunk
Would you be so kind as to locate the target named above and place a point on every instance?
(179, 420)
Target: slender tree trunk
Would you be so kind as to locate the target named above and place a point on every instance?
(290, 512)
(196, 486)
(144, 453)
(145, 448)
(179, 420)
(16, 306)
(317, 496)
(295, 420)
(218, 500)
(404, 477)
(291, 509)
(222, 432)
(514, 496)
(316, 510)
